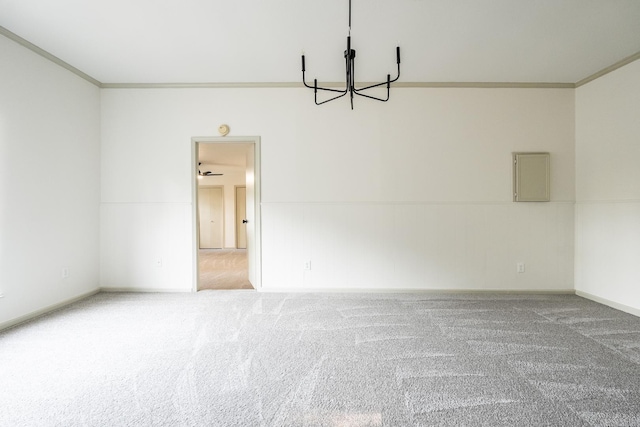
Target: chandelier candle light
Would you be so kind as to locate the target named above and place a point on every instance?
(349, 56)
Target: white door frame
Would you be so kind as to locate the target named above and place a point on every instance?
(255, 222)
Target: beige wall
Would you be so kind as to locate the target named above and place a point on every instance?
(608, 188)
(413, 193)
(49, 183)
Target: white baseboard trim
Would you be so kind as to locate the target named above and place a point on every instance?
(421, 291)
(148, 290)
(612, 304)
(46, 310)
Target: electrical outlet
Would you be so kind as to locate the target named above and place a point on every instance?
(65, 272)
(520, 267)
(159, 262)
(1, 294)
(307, 265)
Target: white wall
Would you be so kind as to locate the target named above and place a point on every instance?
(413, 193)
(49, 183)
(608, 187)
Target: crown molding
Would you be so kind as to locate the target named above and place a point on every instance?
(243, 85)
(25, 43)
(266, 85)
(487, 85)
(225, 85)
(609, 69)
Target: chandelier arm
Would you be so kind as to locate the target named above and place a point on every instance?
(305, 82)
(328, 89)
(382, 83)
(330, 99)
(342, 92)
(377, 84)
(303, 70)
(398, 76)
(358, 89)
(388, 83)
(373, 97)
(321, 88)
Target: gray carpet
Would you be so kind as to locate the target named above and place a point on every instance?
(242, 358)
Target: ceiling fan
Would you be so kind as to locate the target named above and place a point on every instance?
(207, 173)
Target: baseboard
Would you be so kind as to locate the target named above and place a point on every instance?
(612, 304)
(150, 290)
(422, 291)
(46, 310)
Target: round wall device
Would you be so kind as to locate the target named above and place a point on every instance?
(223, 129)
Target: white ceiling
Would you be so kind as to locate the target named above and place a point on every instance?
(218, 157)
(228, 41)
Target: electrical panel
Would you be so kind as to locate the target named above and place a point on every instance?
(531, 177)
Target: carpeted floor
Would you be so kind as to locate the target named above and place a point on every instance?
(238, 358)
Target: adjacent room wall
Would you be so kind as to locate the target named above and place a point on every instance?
(608, 188)
(410, 194)
(233, 176)
(49, 183)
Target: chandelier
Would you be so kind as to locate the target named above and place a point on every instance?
(349, 57)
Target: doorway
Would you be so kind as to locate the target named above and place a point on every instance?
(232, 165)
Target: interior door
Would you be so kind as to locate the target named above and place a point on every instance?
(211, 210)
(241, 215)
(251, 215)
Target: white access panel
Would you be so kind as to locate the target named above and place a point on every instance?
(531, 177)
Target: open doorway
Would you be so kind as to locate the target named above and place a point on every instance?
(226, 212)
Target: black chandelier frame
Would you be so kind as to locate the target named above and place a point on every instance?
(350, 70)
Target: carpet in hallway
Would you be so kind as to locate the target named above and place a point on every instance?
(223, 269)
